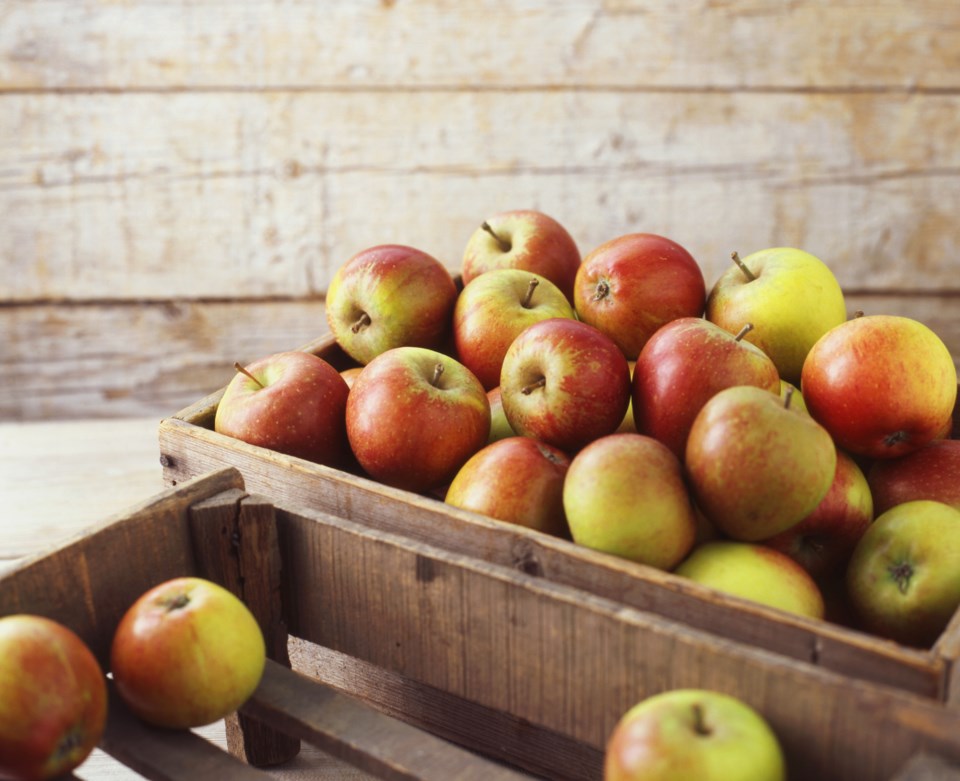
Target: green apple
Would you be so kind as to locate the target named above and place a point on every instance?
(756, 465)
(624, 494)
(791, 297)
(684, 734)
(904, 576)
(755, 572)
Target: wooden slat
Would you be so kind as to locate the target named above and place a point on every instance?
(885, 43)
(928, 767)
(225, 195)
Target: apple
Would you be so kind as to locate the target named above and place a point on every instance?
(700, 734)
(624, 494)
(631, 285)
(500, 427)
(755, 572)
(523, 239)
(53, 698)
(389, 296)
(882, 385)
(291, 402)
(628, 425)
(414, 416)
(791, 297)
(756, 465)
(823, 542)
(564, 382)
(930, 472)
(517, 479)
(350, 374)
(904, 576)
(186, 653)
(493, 309)
(682, 366)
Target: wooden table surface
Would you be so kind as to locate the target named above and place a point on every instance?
(59, 478)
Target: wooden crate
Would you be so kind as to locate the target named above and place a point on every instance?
(530, 672)
(190, 447)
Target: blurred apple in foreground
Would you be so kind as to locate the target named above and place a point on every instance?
(756, 465)
(565, 383)
(491, 312)
(791, 297)
(682, 366)
(823, 541)
(624, 494)
(414, 416)
(390, 296)
(53, 698)
(516, 479)
(904, 576)
(631, 285)
(187, 653)
(755, 572)
(291, 402)
(882, 385)
(523, 239)
(931, 472)
(685, 734)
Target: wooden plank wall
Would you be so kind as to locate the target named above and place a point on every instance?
(179, 181)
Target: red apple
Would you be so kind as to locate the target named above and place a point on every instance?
(291, 402)
(414, 417)
(187, 653)
(630, 286)
(930, 472)
(390, 296)
(882, 385)
(493, 309)
(682, 366)
(823, 541)
(523, 239)
(53, 698)
(565, 383)
(517, 479)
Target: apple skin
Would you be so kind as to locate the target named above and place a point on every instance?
(756, 572)
(904, 576)
(499, 425)
(682, 366)
(518, 480)
(186, 653)
(930, 472)
(756, 466)
(882, 385)
(409, 429)
(53, 698)
(624, 494)
(698, 734)
(823, 542)
(525, 239)
(631, 285)
(493, 309)
(793, 301)
(296, 405)
(564, 382)
(389, 296)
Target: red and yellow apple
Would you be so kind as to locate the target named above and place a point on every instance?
(930, 472)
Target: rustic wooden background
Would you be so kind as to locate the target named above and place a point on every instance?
(178, 181)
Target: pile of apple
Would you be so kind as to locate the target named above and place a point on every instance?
(754, 439)
(185, 654)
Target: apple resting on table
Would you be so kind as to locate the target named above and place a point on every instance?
(53, 698)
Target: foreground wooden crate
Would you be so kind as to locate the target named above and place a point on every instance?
(503, 661)
(190, 447)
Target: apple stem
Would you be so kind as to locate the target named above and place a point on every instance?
(437, 372)
(735, 256)
(526, 390)
(858, 313)
(901, 573)
(747, 328)
(699, 725)
(240, 369)
(787, 396)
(529, 296)
(504, 245)
(602, 291)
(895, 438)
(362, 322)
(176, 602)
